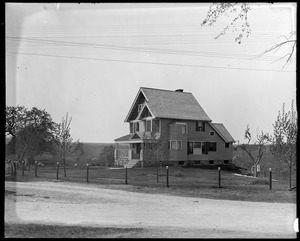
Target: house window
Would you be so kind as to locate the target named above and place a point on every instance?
(204, 148)
(140, 107)
(196, 148)
(148, 125)
(155, 125)
(181, 163)
(183, 129)
(179, 146)
(226, 161)
(197, 162)
(211, 162)
(131, 127)
(136, 126)
(212, 133)
(212, 146)
(175, 145)
(227, 145)
(200, 126)
(190, 148)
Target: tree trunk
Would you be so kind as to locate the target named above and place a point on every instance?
(255, 170)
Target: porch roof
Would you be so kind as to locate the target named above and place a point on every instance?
(137, 137)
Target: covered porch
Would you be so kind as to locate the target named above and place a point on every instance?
(132, 148)
(127, 148)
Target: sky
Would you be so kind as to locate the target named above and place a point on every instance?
(89, 60)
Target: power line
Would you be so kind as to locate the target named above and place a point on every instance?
(124, 48)
(153, 63)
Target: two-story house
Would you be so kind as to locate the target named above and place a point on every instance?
(177, 116)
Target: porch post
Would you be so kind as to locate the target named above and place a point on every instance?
(141, 154)
(129, 154)
(115, 154)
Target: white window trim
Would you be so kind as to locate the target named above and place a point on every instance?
(176, 141)
(193, 141)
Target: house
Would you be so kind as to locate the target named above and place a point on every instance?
(178, 117)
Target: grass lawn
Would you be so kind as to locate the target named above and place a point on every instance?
(191, 182)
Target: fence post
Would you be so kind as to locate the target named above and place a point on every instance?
(35, 169)
(57, 169)
(126, 175)
(87, 172)
(23, 164)
(270, 170)
(167, 176)
(219, 176)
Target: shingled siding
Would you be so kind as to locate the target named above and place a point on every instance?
(174, 133)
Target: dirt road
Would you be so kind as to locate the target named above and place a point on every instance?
(161, 215)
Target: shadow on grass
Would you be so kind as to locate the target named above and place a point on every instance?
(57, 231)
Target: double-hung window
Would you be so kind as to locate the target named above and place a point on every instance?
(200, 126)
(197, 148)
(175, 145)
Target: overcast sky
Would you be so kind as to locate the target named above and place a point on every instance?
(91, 59)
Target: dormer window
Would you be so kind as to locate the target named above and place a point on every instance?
(140, 107)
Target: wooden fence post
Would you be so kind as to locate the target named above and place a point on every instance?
(219, 176)
(270, 170)
(167, 176)
(87, 172)
(35, 169)
(23, 166)
(126, 175)
(57, 169)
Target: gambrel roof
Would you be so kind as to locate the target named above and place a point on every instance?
(169, 104)
(222, 131)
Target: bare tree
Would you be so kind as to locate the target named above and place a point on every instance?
(283, 145)
(240, 23)
(255, 155)
(156, 149)
(62, 142)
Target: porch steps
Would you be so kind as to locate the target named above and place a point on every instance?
(132, 163)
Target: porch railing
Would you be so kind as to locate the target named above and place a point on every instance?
(127, 154)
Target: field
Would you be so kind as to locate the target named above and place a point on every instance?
(191, 182)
